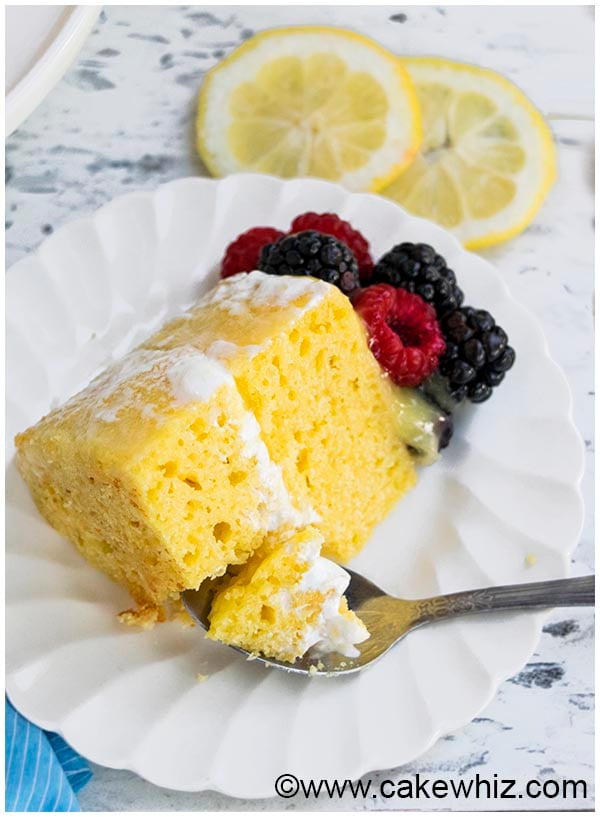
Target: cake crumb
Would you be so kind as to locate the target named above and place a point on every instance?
(530, 560)
(144, 617)
(320, 665)
(312, 670)
(201, 677)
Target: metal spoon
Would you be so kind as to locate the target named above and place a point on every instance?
(389, 619)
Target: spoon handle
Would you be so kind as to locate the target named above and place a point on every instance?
(557, 593)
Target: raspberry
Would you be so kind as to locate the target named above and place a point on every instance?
(242, 254)
(330, 224)
(404, 334)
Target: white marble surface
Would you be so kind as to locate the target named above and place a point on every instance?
(122, 118)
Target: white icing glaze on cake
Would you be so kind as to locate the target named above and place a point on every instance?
(237, 293)
(195, 377)
(193, 374)
(224, 350)
(111, 391)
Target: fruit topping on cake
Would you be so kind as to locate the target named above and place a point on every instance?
(332, 224)
(418, 268)
(404, 334)
(410, 302)
(242, 254)
(477, 354)
(315, 254)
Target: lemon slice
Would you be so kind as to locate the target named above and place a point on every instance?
(310, 101)
(487, 159)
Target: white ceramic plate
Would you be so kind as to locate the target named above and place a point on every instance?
(507, 487)
(40, 44)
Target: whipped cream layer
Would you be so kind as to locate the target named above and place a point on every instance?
(333, 632)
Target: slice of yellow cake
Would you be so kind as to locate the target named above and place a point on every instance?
(286, 600)
(329, 417)
(256, 413)
(158, 473)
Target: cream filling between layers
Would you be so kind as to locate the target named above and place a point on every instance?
(195, 378)
(234, 295)
(333, 631)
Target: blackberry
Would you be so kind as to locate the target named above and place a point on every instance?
(419, 269)
(312, 253)
(477, 355)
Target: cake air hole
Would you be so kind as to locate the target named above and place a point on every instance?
(153, 492)
(169, 469)
(267, 614)
(302, 462)
(192, 483)
(237, 476)
(222, 532)
(304, 347)
(198, 430)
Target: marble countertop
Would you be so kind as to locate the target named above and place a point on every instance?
(122, 119)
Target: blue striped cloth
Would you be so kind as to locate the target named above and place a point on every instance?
(43, 773)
